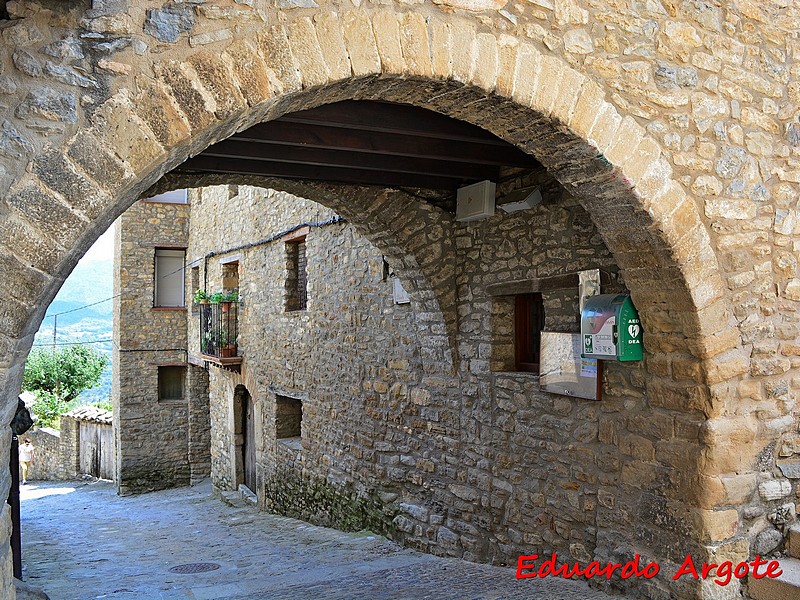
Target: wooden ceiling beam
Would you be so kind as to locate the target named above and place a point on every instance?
(263, 168)
(389, 144)
(370, 161)
(383, 117)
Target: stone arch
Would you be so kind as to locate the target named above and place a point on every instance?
(505, 85)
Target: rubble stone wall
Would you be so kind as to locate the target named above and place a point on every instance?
(674, 124)
(151, 435)
(479, 464)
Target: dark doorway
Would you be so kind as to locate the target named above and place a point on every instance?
(248, 441)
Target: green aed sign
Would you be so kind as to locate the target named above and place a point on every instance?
(610, 328)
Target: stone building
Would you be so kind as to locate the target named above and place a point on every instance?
(674, 125)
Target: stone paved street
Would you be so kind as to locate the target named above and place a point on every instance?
(81, 541)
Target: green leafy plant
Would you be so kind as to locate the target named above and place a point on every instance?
(103, 404)
(216, 297)
(205, 341)
(200, 297)
(232, 296)
(48, 409)
(63, 373)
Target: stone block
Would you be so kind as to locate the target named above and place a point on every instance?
(387, 35)
(215, 77)
(306, 51)
(781, 588)
(526, 73)
(276, 52)
(462, 51)
(155, 107)
(117, 126)
(442, 41)
(774, 489)
(507, 59)
(361, 44)
(718, 525)
(414, 41)
(486, 61)
(182, 85)
(332, 44)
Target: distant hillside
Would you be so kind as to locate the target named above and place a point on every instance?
(90, 282)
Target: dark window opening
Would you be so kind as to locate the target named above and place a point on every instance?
(288, 417)
(528, 325)
(296, 276)
(171, 382)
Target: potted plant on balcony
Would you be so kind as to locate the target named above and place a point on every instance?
(225, 345)
(228, 298)
(200, 297)
(205, 341)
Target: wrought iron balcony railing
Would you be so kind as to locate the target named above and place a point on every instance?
(219, 329)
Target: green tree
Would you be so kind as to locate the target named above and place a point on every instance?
(57, 377)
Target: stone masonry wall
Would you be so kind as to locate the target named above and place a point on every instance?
(675, 123)
(524, 471)
(151, 435)
(48, 463)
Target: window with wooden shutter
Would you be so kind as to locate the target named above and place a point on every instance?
(528, 326)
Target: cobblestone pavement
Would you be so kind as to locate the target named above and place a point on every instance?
(81, 541)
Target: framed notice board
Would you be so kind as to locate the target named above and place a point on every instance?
(563, 371)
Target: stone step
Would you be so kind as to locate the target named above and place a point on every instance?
(247, 495)
(785, 587)
(793, 542)
(233, 499)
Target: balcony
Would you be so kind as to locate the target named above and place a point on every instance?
(219, 331)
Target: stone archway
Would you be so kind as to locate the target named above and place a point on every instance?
(653, 228)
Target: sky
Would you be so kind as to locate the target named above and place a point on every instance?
(103, 248)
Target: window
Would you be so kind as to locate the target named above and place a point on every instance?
(288, 417)
(169, 288)
(171, 382)
(296, 277)
(230, 275)
(528, 325)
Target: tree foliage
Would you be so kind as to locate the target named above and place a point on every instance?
(63, 373)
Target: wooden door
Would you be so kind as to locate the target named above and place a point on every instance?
(96, 455)
(106, 443)
(249, 443)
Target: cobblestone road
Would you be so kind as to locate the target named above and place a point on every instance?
(81, 541)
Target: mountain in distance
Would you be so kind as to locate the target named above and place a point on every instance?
(92, 281)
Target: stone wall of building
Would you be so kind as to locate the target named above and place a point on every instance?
(480, 465)
(674, 122)
(151, 434)
(49, 460)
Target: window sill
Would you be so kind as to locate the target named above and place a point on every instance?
(292, 443)
(521, 374)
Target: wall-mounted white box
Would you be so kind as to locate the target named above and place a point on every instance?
(476, 201)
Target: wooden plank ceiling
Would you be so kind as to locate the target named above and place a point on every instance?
(365, 143)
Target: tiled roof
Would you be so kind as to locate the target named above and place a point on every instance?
(90, 413)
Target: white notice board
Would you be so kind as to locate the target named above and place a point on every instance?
(563, 371)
